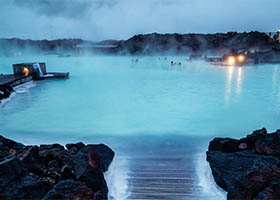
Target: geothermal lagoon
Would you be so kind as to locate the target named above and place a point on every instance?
(157, 118)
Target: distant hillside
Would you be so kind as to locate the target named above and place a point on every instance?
(148, 44)
(196, 43)
(14, 45)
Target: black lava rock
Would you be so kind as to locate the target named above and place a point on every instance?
(248, 168)
(52, 172)
(5, 91)
(69, 189)
(88, 169)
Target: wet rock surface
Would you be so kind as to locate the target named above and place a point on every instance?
(248, 168)
(70, 189)
(53, 172)
(5, 92)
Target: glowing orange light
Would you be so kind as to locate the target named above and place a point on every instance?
(241, 58)
(25, 71)
(231, 60)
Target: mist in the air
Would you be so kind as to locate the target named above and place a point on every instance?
(121, 19)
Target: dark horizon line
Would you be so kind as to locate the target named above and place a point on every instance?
(86, 40)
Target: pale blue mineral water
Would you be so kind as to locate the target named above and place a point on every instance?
(158, 118)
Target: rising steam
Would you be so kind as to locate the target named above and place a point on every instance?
(120, 19)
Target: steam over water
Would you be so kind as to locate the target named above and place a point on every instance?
(157, 118)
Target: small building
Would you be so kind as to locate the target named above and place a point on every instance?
(23, 73)
(36, 70)
(27, 69)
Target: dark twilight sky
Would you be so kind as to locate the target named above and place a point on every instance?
(121, 19)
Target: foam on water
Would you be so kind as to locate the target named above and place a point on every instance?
(18, 90)
(24, 87)
(3, 101)
(206, 179)
(116, 178)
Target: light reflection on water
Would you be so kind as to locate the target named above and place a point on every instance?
(239, 81)
(233, 73)
(229, 84)
(113, 97)
(149, 96)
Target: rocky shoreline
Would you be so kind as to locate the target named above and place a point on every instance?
(248, 168)
(53, 172)
(5, 92)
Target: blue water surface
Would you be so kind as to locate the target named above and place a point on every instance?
(116, 96)
(135, 106)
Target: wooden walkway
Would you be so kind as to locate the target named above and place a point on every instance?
(165, 178)
(161, 169)
(14, 80)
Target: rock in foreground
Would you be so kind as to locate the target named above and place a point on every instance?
(5, 92)
(248, 168)
(53, 172)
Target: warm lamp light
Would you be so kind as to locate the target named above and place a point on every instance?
(241, 58)
(231, 60)
(25, 71)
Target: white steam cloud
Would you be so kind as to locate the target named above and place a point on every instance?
(121, 19)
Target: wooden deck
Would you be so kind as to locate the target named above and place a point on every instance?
(56, 75)
(160, 168)
(14, 80)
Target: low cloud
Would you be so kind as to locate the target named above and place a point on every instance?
(121, 19)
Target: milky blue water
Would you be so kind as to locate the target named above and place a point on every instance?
(115, 101)
(113, 95)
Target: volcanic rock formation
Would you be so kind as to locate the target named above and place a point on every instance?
(248, 168)
(53, 172)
